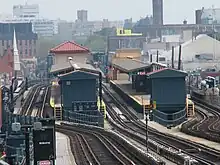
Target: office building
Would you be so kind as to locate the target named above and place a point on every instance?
(27, 11)
(27, 40)
(82, 15)
(208, 16)
(157, 12)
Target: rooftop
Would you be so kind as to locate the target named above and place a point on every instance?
(71, 66)
(129, 65)
(69, 47)
(166, 72)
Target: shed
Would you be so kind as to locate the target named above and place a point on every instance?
(78, 86)
(168, 89)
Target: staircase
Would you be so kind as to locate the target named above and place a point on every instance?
(58, 112)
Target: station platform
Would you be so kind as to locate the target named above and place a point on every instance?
(126, 87)
(177, 133)
(63, 151)
(173, 131)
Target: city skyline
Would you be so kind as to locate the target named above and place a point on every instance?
(121, 10)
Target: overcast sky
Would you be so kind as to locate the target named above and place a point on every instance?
(175, 11)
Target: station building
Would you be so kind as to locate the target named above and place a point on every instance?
(143, 84)
(74, 96)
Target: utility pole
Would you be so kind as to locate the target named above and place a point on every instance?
(145, 111)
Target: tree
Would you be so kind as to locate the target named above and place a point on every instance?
(45, 44)
(96, 43)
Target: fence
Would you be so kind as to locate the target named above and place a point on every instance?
(90, 117)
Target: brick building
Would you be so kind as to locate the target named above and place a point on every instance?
(26, 39)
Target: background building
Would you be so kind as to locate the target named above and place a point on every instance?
(157, 12)
(82, 15)
(27, 40)
(208, 16)
(27, 11)
(125, 39)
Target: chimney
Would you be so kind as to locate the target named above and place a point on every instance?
(172, 57)
(179, 61)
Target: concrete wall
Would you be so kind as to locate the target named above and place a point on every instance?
(78, 58)
(124, 53)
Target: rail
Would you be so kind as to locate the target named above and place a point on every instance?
(157, 137)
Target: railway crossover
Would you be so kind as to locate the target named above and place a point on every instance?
(96, 146)
(206, 124)
(173, 148)
(35, 101)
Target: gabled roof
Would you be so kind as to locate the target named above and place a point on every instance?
(203, 44)
(129, 65)
(78, 75)
(69, 47)
(166, 72)
(68, 65)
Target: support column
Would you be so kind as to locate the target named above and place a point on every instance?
(114, 74)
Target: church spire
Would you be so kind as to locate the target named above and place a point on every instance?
(16, 55)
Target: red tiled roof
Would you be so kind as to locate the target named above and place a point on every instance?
(69, 47)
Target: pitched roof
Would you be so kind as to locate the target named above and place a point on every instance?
(166, 72)
(129, 65)
(69, 47)
(202, 45)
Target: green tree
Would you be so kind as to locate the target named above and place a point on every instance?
(45, 44)
(96, 43)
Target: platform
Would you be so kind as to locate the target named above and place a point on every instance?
(126, 86)
(176, 132)
(64, 154)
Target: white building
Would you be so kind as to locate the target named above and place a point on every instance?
(45, 27)
(27, 11)
(30, 13)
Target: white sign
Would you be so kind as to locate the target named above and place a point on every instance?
(45, 162)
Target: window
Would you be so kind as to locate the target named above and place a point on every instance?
(21, 52)
(26, 52)
(30, 42)
(25, 42)
(3, 43)
(68, 82)
(20, 42)
(34, 42)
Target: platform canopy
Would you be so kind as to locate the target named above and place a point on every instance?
(167, 72)
(129, 65)
(71, 66)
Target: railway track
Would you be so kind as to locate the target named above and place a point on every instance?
(34, 103)
(207, 123)
(100, 147)
(202, 154)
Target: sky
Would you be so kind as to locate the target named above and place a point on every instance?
(175, 11)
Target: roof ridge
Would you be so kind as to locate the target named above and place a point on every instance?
(59, 45)
(83, 47)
